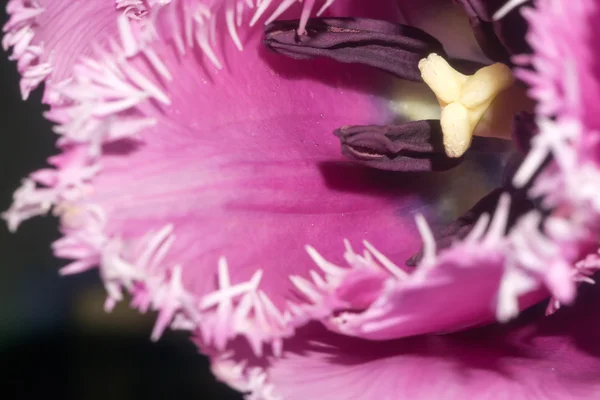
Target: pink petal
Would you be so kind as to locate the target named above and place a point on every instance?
(531, 358)
(475, 281)
(565, 81)
(191, 163)
(566, 78)
(48, 36)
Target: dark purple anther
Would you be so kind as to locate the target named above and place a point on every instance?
(391, 47)
(500, 39)
(410, 147)
(524, 129)
(461, 227)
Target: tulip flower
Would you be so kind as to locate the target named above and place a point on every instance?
(350, 202)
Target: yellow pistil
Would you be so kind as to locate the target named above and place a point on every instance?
(465, 99)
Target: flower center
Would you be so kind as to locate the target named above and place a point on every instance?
(485, 103)
(464, 99)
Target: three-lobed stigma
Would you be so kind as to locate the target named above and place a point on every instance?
(464, 98)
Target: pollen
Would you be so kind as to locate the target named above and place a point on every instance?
(464, 99)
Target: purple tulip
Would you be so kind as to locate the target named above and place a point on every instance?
(264, 188)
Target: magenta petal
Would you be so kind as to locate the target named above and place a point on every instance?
(566, 79)
(440, 296)
(255, 181)
(208, 182)
(532, 358)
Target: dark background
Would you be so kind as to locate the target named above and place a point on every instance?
(55, 339)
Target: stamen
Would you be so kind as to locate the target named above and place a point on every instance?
(524, 130)
(464, 99)
(472, 225)
(391, 47)
(499, 34)
(412, 146)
